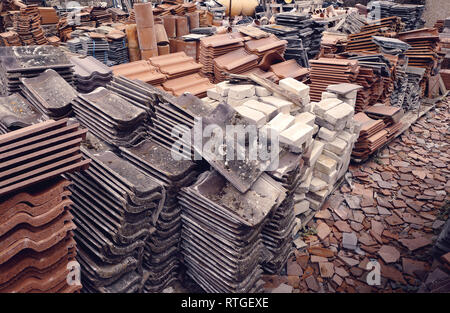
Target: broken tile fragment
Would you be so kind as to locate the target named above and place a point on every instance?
(389, 254)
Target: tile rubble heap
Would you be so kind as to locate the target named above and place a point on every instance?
(390, 211)
(36, 226)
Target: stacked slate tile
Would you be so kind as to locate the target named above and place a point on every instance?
(115, 208)
(90, 73)
(95, 45)
(140, 94)
(414, 90)
(221, 237)
(410, 14)
(110, 117)
(161, 255)
(391, 46)
(30, 61)
(50, 94)
(74, 45)
(308, 30)
(295, 48)
(118, 50)
(379, 9)
(279, 230)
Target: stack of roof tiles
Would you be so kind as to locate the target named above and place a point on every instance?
(10, 38)
(332, 43)
(118, 15)
(101, 15)
(326, 71)
(28, 25)
(290, 68)
(161, 253)
(194, 84)
(215, 46)
(266, 45)
(371, 137)
(308, 30)
(397, 96)
(221, 236)
(30, 61)
(410, 14)
(391, 117)
(118, 50)
(95, 45)
(116, 208)
(175, 65)
(90, 73)
(415, 88)
(379, 124)
(236, 62)
(136, 92)
(352, 23)
(146, 30)
(36, 239)
(277, 233)
(48, 15)
(38, 152)
(74, 45)
(376, 75)
(141, 70)
(423, 51)
(50, 94)
(295, 48)
(362, 41)
(16, 112)
(64, 29)
(110, 117)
